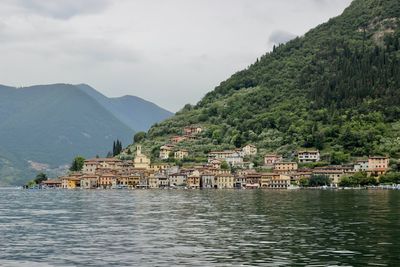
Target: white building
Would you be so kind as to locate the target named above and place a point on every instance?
(309, 156)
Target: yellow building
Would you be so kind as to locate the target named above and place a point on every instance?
(193, 181)
(225, 181)
(275, 181)
(70, 182)
(285, 167)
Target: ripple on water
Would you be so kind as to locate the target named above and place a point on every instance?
(199, 228)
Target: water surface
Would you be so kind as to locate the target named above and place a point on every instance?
(199, 228)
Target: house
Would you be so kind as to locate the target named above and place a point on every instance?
(308, 156)
(181, 154)
(159, 167)
(153, 181)
(163, 180)
(178, 179)
(177, 139)
(193, 181)
(71, 182)
(224, 181)
(192, 130)
(90, 166)
(275, 181)
(271, 159)
(107, 180)
(207, 180)
(51, 183)
(378, 165)
(234, 160)
(335, 175)
(141, 161)
(220, 155)
(240, 181)
(253, 180)
(216, 164)
(285, 167)
(249, 150)
(295, 177)
(165, 151)
(361, 165)
(89, 182)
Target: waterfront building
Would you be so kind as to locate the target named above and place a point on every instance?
(335, 175)
(207, 180)
(71, 182)
(224, 181)
(89, 182)
(275, 181)
(253, 180)
(378, 165)
(51, 183)
(178, 179)
(193, 181)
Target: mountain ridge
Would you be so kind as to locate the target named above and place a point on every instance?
(47, 125)
(334, 89)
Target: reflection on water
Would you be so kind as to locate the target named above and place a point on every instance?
(199, 228)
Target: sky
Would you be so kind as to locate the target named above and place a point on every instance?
(170, 52)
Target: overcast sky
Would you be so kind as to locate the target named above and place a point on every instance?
(170, 52)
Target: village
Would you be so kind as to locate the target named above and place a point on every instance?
(225, 169)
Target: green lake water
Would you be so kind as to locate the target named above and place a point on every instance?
(199, 228)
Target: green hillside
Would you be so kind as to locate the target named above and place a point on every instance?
(337, 88)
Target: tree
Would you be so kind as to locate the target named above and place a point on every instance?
(339, 157)
(117, 148)
(40, 178)
(319, 180)
(138, 137)
(77, 164)
(390, 178)
(224, 165)
(304, 182)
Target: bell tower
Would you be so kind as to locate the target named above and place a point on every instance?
(139, 150)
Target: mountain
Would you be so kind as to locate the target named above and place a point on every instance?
(135, 112)
(44, 127)
(337, 88)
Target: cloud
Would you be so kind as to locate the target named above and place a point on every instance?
(59, 9)
(171, 52)
(280, 37)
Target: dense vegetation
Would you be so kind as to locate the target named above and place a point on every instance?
(336, 89)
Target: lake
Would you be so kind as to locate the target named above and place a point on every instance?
(199, 228)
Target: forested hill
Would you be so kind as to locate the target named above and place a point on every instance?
(337, 88)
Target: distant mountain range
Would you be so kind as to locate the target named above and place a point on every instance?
(43, 127)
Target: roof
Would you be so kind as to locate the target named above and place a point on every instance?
(308, 151)
(103, 160)
(52, 181)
